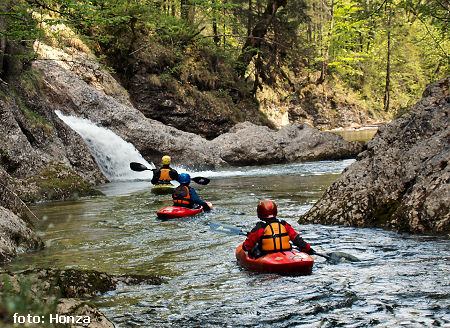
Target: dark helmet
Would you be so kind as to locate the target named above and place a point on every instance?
(184, 178)
(267, 209)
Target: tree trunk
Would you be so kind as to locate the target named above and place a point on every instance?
(216, 37)
(2, 39)
(2, 54)
(250, 17)
(326, 50)
(224, 25)
(256, 37)
(184, 5)
(386, 100)
(174, 9)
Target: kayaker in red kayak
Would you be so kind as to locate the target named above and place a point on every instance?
(272, 235)
(186, 196)
(165, 174)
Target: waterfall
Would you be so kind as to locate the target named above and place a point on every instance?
(112, 154)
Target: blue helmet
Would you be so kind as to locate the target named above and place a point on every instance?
(184, 178)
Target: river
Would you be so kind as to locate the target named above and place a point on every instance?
(401, 281)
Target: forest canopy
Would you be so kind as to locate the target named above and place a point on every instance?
(386, 51)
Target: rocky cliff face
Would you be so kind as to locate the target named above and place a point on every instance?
(39, 150)
(401, 181)
(67, 88)
(330, 106)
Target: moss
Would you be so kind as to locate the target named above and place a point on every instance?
(27, 88)
(76, 283)
(36, 120)
(58, 182)
(30, 82)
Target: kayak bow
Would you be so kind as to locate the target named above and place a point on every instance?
(291, 262)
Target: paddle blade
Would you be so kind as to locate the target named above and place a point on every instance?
(201, 180)
(230, 230)
(342, 257)
(138, 167)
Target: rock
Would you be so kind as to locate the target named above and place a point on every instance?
(46, 292)
(56, 182)
(15, 236)
(15, 232)
(34, 142)
(72, 95)
(71, 307)
(249, 144)
(401, 181)
(195, 98)
(329, 106)
(73, 283)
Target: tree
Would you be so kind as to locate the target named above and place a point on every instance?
(256, 37)
(17, 33)
(386, 99)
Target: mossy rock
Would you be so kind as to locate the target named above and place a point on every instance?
(58, 182)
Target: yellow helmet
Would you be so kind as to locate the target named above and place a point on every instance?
(165, 160)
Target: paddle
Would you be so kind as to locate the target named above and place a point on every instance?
(138, 167)
(225, 228)
(333, 257)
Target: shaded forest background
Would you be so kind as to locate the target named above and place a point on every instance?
(381, 53)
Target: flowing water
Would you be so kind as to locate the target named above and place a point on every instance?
(402, 280)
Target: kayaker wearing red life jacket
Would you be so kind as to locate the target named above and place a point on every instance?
(186, 196)
(271, 234)
(165, 174)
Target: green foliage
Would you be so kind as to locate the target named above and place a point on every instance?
(18, 30)
(350, 36)
(357, 42)
(16, 21)
(19, 297)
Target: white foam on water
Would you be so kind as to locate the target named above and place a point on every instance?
(112, 154)
(304, 169)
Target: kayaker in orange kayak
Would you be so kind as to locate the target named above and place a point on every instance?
(272, 235)
(165, 174)
(186, 196)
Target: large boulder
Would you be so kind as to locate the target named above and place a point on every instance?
(401, 181)
(250, 144)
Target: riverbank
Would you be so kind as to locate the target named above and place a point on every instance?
(52, 297)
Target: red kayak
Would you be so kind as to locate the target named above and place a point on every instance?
(172, 212)
(291, 262)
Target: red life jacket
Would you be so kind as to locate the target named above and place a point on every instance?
(182, 196)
